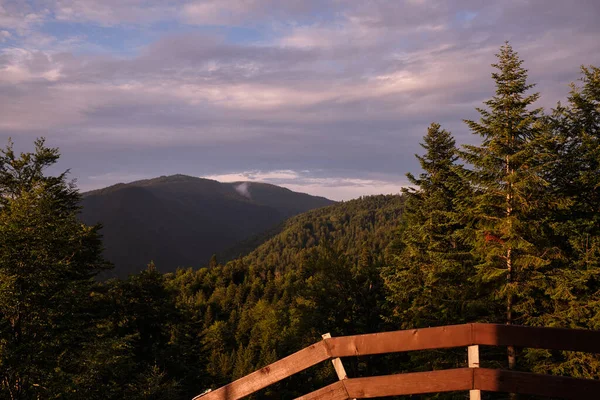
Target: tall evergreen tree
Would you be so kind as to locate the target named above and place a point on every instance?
(47, 262)
(510, 203)
(576, 134)
(574, 175)
(428, 283)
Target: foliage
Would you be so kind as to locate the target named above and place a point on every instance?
(47, 260)
(574, 289)
(510, 198)
(428, 281)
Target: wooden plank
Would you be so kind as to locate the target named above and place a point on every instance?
(270, 374)
(473, 358)
(336, 391)
(397, 341)
(339, 369)
(410, 340)
(493, 380)
(337, 363)
(412, 383)
(535, 337)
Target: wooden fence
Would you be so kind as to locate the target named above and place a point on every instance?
(473, 378)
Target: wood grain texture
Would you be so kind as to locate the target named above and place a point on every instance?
(398, 341)
(336, 391)
(473, 356)
(270, 374)
(337, 363)
(536, 337)
(473, 359)
(412, 383)
(493, 380)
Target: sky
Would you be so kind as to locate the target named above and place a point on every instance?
(327, 97)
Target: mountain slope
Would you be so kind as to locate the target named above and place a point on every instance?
(181, 220)
(319, 274)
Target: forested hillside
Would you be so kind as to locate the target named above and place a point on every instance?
(319, 274)
(180, 221)
(506, 231)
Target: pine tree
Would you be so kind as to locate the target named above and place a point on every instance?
(511, 200)
(428, 283)
(577, 130)
(47, 262)
(574, 174)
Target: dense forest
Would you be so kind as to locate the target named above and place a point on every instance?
(506, 231)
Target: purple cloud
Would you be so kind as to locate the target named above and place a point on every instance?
(343, 88)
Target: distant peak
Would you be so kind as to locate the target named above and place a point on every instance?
(177, 177)
(173, 179)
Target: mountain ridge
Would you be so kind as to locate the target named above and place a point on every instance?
(180, 220)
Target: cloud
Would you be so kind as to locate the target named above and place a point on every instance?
(22, 15)
(20, 65)
(257, 176)
(335, 188)
(243, 189)
(215, 12)
(252, 12)
(345, 88)
(113, 12)
(19, 17)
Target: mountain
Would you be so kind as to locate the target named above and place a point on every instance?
(182, 220)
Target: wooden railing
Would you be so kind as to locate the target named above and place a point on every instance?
(473, 379)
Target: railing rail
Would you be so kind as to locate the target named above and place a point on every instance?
(472, 379)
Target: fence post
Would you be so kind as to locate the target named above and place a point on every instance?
(473, 357)
(337, 363)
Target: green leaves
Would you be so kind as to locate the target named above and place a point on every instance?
(511, 204)
(426, 282)
(47, 260)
